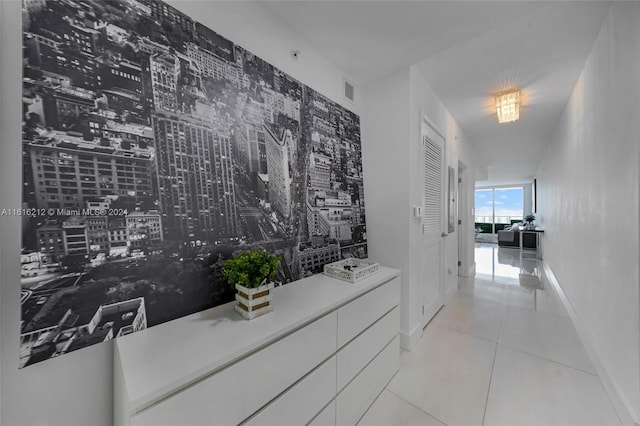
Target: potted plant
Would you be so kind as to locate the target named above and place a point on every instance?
(251, 272)
(529, 219)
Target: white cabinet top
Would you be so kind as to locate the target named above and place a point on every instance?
(160, 360)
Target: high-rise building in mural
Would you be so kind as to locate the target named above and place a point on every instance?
(329, 213)
(195, 179)
(165, 72)
(316, 253)
(251, 136)
(277, 147)
(69, 171)
(212, 65)
(320, 171)
(144, 229)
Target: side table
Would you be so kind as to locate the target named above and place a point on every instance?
(538, 233)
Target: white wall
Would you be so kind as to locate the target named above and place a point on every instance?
(385, 154)
(393, 108)
(76, 389)
(588, 201)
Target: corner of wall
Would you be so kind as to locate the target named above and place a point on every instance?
(408, 340)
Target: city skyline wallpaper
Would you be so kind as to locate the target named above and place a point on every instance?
(153, 150)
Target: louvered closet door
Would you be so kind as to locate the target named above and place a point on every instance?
(432, 222)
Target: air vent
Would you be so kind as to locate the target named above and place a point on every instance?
(348, 90)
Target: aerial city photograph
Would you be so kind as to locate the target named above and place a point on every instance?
(153, 150)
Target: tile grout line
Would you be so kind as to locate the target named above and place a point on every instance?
(549, 359)
(415, 406)
(615, 411)
(542, 357)
(493, 365)
(465, 333)
(486, 401)
(540, 312)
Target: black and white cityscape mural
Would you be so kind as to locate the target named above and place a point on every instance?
(153, 149)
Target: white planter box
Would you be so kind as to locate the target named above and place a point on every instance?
(351, 270)
(253, 302)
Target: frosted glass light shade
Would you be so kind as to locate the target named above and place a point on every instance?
(508, 106)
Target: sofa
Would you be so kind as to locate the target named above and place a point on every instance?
(510, 237)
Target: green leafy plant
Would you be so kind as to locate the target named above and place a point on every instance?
(251, 268)
(529, 218)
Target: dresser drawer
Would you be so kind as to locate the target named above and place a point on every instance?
(236, 392)
(298, 405)
(356, 354)
(355, 399)
(362, 312)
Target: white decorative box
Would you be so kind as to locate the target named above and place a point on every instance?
(351, 270)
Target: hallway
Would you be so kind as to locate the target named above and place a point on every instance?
(503, 352)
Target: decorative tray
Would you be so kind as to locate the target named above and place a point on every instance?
(351, 270)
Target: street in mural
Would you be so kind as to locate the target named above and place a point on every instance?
(153, 149)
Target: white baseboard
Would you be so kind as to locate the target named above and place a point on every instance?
(470, 272)
(409, 339)
(451, 292)
(620, 404)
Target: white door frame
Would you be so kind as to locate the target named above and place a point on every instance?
(430, 308)
(464, 224)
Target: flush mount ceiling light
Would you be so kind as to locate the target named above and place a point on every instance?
(508, 106)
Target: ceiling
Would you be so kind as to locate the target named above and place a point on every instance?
(467, 51)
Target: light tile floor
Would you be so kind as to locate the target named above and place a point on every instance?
(502, 352)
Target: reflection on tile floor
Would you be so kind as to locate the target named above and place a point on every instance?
(505, 265)
(502, 352)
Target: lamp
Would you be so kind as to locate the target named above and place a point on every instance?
(508, 106)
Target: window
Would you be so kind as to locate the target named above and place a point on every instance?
(496, 208)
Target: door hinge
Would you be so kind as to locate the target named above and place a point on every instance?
(422, 309)
(459, 222)
(459, 180)
(459, 263)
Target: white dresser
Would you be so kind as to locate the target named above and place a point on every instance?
(321, 358)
